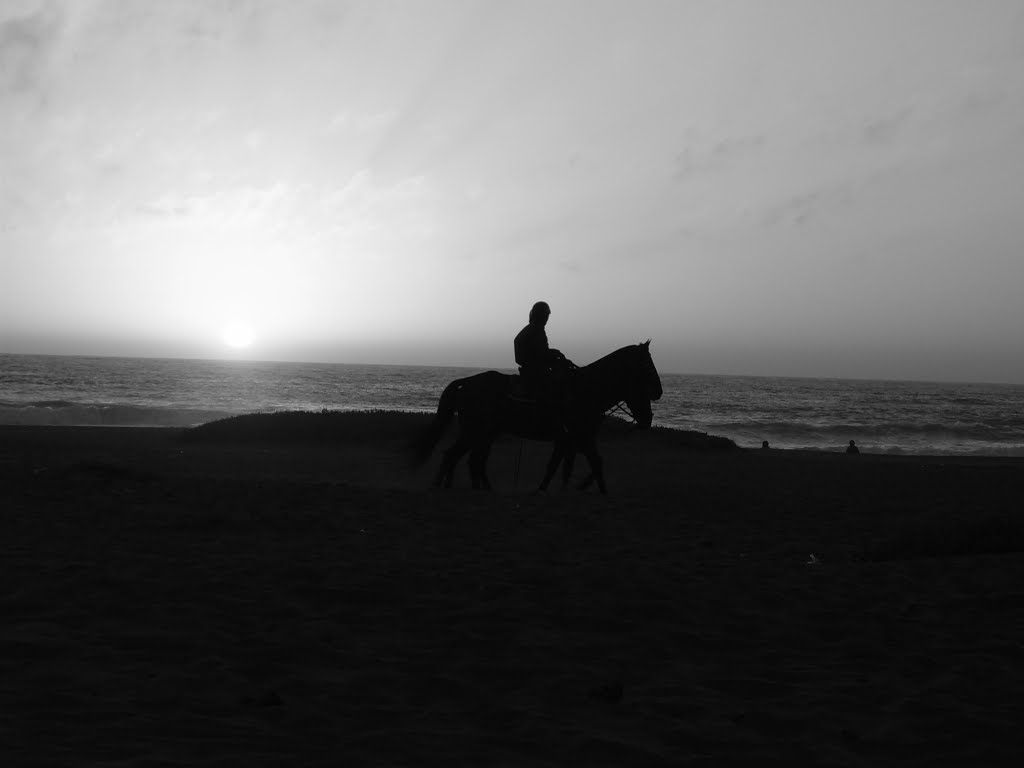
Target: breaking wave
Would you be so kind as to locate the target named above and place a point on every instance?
(930, 431)
(62, 413)
(896, 437)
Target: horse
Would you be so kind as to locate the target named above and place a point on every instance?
(486, 409)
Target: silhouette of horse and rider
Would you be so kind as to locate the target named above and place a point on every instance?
(551, 400)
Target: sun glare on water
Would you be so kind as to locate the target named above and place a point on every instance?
(237, 336)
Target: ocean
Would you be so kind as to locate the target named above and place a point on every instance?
(795, 413)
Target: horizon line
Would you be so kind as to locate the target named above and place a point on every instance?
(511, 368)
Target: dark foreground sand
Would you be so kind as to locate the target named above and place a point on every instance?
(294, 602)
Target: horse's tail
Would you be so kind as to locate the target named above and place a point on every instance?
(424, 442)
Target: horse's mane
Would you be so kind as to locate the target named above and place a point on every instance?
(611, 357)
(612, 364)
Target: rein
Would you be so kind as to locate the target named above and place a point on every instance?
(621, 406)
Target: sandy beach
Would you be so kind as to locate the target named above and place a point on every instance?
(268, 599)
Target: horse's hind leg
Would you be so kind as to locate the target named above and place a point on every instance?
(596, 468)
(448, 461)
(557, 456)
(478, 467)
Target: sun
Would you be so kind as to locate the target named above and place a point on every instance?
(238, 336)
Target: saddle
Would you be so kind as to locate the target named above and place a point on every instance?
(517, 390)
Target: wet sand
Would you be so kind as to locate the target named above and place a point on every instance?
(273, 601)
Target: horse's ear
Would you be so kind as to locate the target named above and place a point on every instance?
(647, 343)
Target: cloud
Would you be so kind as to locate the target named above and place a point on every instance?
(363, 208)
(360, 123)
(883, 130)
(227, 208)
(694, 160)
(25, 43)
(800, 209)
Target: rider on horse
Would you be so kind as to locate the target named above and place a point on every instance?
(545, 371)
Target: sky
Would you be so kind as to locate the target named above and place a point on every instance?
(822, 188)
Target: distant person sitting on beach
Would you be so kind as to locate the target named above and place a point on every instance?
(543, 369)
(764, 445)
(852, 448)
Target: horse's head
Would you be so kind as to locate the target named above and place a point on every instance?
(651, 379)
(646, 385)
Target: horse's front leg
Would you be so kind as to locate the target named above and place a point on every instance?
(448, 461)
(568, 462)
(596, 467)
(557, 456)
(586, 482)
